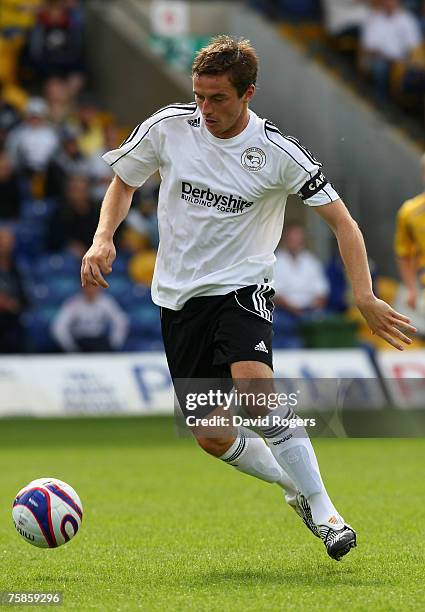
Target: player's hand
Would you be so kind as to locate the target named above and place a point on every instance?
(386, 322)
(96, 262)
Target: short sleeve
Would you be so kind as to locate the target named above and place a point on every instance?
(136, 159)
(300, 172)
(303, 176)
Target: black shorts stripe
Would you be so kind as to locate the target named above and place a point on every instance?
(259, 303)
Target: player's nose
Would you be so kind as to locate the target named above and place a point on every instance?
(206, 108)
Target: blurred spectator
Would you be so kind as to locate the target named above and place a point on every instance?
(56, 41)
(17, 16)
(32, 144)
(9, 116)
(409, 243)
(100, 172)
(68, 161)
(57, 94)
(141, 267)
(140, 229)
(338, 286)
(421, 16)
(300, 282)
(345, 17)
(10, 195)
(13, 300)
(73, 223)
(390, 34)
(90, 321)
(91, 139)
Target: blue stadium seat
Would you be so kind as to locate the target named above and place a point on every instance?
(29, 239)
(299, 10)
(145, 322)
(37, 210)
(139, 343)
(57, 263)
(287, 342)
(120, 265)
(120, 287)
(128, 294)
(37, 323)
(284, 323)
(61, 287)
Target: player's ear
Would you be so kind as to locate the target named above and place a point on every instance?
(249, 93)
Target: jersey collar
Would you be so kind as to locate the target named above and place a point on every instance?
(228, 142)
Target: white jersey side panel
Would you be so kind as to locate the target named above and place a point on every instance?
(222, 201)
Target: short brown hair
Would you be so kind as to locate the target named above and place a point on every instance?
(225, 54)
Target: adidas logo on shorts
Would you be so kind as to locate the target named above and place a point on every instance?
(261, 346)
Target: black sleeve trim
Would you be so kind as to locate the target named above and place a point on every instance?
(148, 130)
(266, 130)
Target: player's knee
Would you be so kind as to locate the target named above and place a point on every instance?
(214, 446)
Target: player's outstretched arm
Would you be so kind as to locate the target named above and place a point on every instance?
(383, 320)
(99, 258)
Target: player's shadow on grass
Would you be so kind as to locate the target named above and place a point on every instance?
(323, 576)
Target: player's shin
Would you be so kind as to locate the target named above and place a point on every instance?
(294, 452)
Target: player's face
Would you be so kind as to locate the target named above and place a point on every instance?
(224, 112)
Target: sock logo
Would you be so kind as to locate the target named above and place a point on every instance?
(282, 440)
(205, 197)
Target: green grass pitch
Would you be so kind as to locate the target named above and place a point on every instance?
(167, 527)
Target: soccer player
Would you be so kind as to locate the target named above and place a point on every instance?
(226, 175)
(410, 244)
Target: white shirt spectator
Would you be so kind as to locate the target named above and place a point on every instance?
(31, 147)
(101, 175)
(393, 36)
(300, 278)
(341, 15)
(32, 144)
(81, 318)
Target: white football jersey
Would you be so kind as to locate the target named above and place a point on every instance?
(221, 201)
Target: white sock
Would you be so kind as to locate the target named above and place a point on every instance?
(251, 455)
(294, 452)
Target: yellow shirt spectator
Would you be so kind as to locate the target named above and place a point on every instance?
(18, 14)
(410, 233)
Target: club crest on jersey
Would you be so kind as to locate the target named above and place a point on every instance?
(253, 159)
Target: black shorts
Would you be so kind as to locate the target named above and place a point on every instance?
(209, 333)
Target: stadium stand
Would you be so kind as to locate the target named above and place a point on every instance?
(375, 46)
(50, 206)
